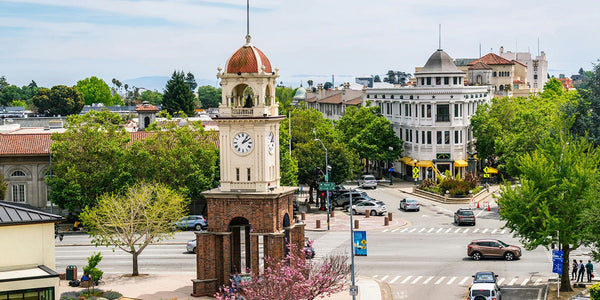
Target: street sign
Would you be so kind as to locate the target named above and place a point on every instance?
(486, 169)
(353, 290)
(486, 175)
(415, 170)
(326, 186)
(360, 243)
(557, 261)
(391, 170)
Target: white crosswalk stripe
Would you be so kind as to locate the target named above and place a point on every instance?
(456, 280)
(446, 230)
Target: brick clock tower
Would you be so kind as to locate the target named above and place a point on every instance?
(250, 207)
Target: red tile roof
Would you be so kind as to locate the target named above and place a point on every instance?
(246, 60)
(24, 144)
(355, 101)
(492, 59)
(146, 107)
(333, 99)
(479, 66)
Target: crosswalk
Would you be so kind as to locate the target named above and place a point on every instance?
(447, 230)
(457, 280)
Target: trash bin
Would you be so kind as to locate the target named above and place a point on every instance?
(71, 272)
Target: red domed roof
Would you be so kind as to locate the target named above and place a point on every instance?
(248, 59)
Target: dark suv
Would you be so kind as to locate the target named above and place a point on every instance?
(464, 216)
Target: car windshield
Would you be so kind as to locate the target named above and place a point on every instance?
(503, 244)
(484, 277)
(485, 293)
(465, 212)
(369, 178)
(411, 201)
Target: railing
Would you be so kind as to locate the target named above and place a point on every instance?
(238, 112)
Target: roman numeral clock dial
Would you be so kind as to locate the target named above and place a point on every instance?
(242, 143)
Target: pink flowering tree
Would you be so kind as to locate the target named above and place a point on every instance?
(292, 278)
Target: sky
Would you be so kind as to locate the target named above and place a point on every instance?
(62, 41)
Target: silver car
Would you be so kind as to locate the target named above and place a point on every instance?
(367, 181)
(374, 207)
(191, 246)
(410, 204)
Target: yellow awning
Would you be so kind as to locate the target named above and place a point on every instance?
(424, 163)
(492, 170)
(407, 161)
(460, 163)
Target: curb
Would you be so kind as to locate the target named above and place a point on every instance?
(90, 244)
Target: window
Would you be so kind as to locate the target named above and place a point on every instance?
(455, 80)
(423, 110)
(428, 80)
(249, 175)
(18, 193)
(400, 109)
(456, 115)
(439, 137)
(494, 74)
(407, 136)
(416, 136)
(368, 96)
(18, 174)
(392, 96)
(429, 137)
(438, 80)
(456, 137)
(375, 96)
(382, 96)
(446, 80)
(406, 107)
(535, 76)
(443, 113)
(237, 174)
(447, 137)
(410, 136)
(428, 111)
(411, 97)
(423, 137)
(400, 131)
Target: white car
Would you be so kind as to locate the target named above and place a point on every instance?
(367, 181)
(484, 291)
(191, 246)
(374, 207)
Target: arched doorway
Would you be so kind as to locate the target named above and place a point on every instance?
(146, 122)
(286, 227)
(240, 247)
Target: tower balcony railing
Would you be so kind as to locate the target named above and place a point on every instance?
(242, 112)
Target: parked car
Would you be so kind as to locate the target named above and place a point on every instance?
(196, 222)
(464, 216)
(367, 181)
(344, 199)
(309, 251)
(410, 204)
(375, 208)
(484, 291)
(191, 246)
(338, 190)
(479, 249)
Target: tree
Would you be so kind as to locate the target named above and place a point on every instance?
(144, 214)
(293, 277)
(59, 100)
(189, 79)
(95, 90)
(285, 96)
(391, 77)
(209, 96)
(376, 78)
(559, 181)
(3, 82)
(327, 85)
(177, 95)
(402, 77)
(310, 83)
(369, 133)
(586, 111)
(3, 187)
(8, 94)
(154, 98)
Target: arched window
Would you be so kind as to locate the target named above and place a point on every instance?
(17, 173)
(18, 189)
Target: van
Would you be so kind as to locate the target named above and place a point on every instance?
(367, 181)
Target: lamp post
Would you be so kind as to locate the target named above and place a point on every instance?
(353, 286)
(327, 167)
(391, 169)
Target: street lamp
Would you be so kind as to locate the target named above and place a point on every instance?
(353, 286)
(327, 167)
(391, 169)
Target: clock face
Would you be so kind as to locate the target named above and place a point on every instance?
(242, 143)
(271, 141)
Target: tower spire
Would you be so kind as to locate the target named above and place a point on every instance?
(440, 37)
(247, 21)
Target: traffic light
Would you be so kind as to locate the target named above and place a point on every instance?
(318, 173)
(323, 200)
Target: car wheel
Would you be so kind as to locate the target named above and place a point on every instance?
(418, 209)
(198, 227)
(195, 251)
(373, 213)
(477, 256)
(473, 224)
(509, 256)
(354, 211)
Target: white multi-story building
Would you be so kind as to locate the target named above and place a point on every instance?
(537, 68)
(433, 117)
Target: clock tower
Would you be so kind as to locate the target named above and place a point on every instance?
(250, 207)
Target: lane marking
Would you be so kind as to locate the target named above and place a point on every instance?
(440, 280)
(422, 229)
(457, 230)
(494, 231)
(467, 230)
(395, 229)
(438, 231)
(477, 215)
(484, 230)
(525, 281)
(384, 277)
(451, 280)
(503, 231)
(501, 280)
(416, 279)
(430, 230)
(394, 280)
(512, 282)
(428, 280)
(412, 230)
(448, 230)
(406, 279)
(537, 282)
(403, 230)
(375, 276)
(385, 230)
(464, 280)
(476, 229)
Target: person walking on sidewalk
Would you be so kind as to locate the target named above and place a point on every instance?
(580, 271)
(589, 268)
(574, 270)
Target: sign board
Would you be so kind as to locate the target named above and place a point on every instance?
(326, 186)
(557, 261)
(391, 170)
(486, 175)
(415, 170)
(486, 170)
(353, 290)
(360, 243)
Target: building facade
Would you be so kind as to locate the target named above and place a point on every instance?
(332, 103)
(537, 67)
(433, 117)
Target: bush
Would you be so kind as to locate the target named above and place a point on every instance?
(91, 269)
(69, 296)
(112, 295)
(595, 291)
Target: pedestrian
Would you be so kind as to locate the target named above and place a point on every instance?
(580, 271)
(589, 268)
(574, 270)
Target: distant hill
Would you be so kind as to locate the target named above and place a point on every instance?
(158, 83)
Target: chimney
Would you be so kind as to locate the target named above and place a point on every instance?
(319, 91)
(501, 49)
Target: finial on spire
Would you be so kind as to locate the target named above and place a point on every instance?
(440, 37)
(248, 38)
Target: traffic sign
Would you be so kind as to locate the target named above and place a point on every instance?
(557, 261)
(326, 186)
(415, 170)
(353, 290)
(415, 175)
(486, 169)
(557, 254)
(486, 175)
(391, 170)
